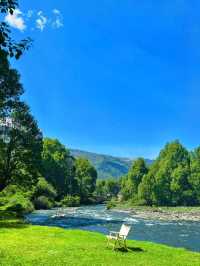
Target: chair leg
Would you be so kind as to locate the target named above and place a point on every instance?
(115, 244)
(109, 242)
(125, 246)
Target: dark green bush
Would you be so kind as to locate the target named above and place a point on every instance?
(71, 201)
(140, 202)
(43, 188)
(19, 204)
(42, 202)
(10, 191)
(44, 195)
(13, 199)
(3, 201)
(110, 204)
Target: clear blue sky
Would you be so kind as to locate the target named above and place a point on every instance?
(115, 77)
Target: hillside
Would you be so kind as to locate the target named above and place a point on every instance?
(106, 165)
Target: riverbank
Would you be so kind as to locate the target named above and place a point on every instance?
(161, 213)
(23, 244)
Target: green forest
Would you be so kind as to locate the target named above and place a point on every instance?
(172, 180)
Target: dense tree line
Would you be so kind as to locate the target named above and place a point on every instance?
(69, 176)
(173, 179)
(107, 189)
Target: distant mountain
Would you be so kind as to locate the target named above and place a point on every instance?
(106, 165)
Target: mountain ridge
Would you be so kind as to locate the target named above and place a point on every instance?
(107, 165)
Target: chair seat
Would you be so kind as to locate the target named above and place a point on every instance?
(115, 237)
(112, 237)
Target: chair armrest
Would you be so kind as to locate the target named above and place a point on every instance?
(114, 233)
(123, 236)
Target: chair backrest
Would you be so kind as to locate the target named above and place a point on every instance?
(124, 230)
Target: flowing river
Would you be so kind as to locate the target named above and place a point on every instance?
(97, 218)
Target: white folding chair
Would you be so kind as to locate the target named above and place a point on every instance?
(118, 238)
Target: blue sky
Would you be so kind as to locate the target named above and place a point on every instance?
(115, 77)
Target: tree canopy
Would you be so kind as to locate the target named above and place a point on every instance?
(85, 175)
(8, 46)
(134, 177)
(58, 166)
(173, 179)
(20, 157)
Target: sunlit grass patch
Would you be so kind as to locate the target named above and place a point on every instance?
(37, 245)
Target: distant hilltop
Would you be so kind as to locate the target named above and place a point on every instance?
(106, 165)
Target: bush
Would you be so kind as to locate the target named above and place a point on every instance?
(43, 202)
(71, 201)
(13, 199)
(58, 204)
(10, 191)
(110, 204)
(44, 195)
(3, 201)
(43, 188)
(18, 204)
(141, 202)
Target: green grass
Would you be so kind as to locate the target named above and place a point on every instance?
(24, 245)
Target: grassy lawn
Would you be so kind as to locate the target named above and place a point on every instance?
(26, 245)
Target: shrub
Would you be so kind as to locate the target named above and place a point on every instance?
(19, 204)
(71, 201)
(43, 188)
(58, 204)
(3, 201)
(110, 204)
(13, 199)
(10, 191)
(141, 202)
(42, 202)
(44, 195)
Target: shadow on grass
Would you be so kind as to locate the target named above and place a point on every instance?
(128, 249)
(12, 223)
